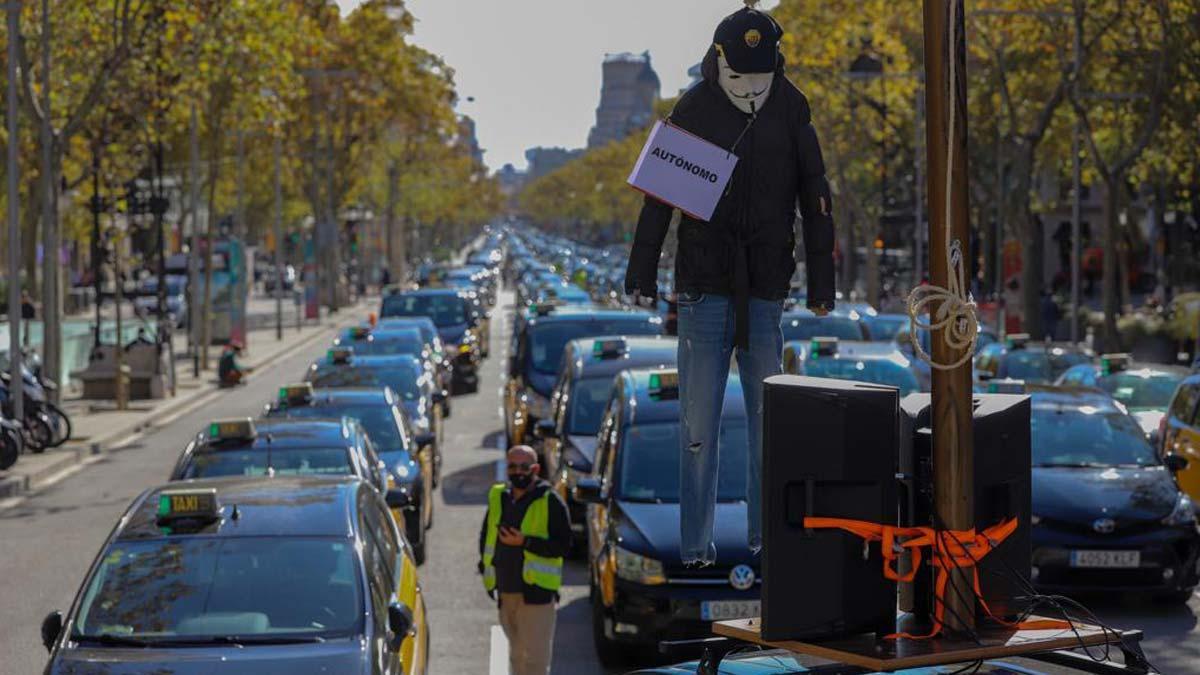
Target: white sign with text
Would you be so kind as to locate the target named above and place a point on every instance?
(683, 170)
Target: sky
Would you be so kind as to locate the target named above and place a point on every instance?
(533, 66)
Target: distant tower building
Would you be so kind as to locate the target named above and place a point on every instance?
(467, 138)
(544, 160)
(627, 97)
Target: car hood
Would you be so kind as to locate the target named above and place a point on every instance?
(653, 529)
(415, 409)
(1148, 419)
(1125, 494)
(585, 444)
(542, 383)
(336, 657)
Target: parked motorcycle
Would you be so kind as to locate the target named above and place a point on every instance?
(45, 425)
(10, 442)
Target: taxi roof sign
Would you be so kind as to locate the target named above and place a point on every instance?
(543, 308)
(296, 393)
(1114, 363)
(664, 382)
(189, 504)
(359, 332)
(340, 354)
(823, 346)
(1006, 386)
(608, 348)
(1017, 340)
(234, 429)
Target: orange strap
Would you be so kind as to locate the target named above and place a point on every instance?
(951, 550)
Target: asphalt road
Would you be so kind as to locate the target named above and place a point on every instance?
(48, 541)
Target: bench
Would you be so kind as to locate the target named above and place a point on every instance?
(143, 367)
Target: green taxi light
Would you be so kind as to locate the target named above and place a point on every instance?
(296, 393)
(603, 348)
(340, 355)
(1114, 363)
(359, 332)
(237, 429)
(666, 380)
(823, 346)
(1017, 340)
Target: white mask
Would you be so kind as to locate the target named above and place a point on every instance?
(747, 91)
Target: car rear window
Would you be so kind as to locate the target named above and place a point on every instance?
(808, 327)
(380, 420)
(445, 310)
(214, 463)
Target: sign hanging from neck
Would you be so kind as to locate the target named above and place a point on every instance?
(683, 170)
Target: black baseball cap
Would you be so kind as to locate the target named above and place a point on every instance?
(749, 40)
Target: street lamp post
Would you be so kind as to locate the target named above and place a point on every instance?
(14, 213)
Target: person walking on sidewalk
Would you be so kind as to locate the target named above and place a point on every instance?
(525, 534)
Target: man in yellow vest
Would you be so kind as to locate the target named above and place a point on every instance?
(525, 535)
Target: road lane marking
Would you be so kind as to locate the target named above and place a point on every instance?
(498, 652)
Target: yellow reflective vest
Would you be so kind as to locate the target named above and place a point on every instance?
(537, 570)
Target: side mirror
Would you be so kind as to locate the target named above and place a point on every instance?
(52, 627)
(512, 366)
(381, 476)
(544, 429)
(1175, 463)
(440, 396)
(400, 622)
(587, 491)
(425, 439)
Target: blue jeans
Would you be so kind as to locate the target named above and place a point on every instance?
(705, 346)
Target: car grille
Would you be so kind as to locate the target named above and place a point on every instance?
(1124, 528)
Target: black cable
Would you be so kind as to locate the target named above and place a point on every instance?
(968, 669)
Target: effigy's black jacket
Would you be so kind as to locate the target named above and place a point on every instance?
(746, 249)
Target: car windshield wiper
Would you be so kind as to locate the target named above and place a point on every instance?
(108, 639)
(239, 640)
(1073, 465)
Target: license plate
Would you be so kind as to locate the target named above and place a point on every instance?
(723, 610)
(1106, 559)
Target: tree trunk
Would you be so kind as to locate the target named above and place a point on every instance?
(1029, 230)
(1109, 286)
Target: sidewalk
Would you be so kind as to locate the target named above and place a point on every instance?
(97, 425)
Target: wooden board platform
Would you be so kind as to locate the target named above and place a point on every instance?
(868, 651)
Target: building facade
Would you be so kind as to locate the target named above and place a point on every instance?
(627, 96)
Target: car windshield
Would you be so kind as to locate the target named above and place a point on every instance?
(588, 400)
(1141, 391)
(283, 461)
(649, 469)
(445, 310)
(1085, 435)
(877, 372)
(808, 327)
(403, 381)
(883, 328)
(208, 587)
(381, 420)
(547, 341)
(1038, 366)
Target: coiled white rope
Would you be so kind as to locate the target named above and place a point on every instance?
(956, 309)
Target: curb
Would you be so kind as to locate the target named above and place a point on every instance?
(74, 454)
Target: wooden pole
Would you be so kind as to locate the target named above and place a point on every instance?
(953, 448)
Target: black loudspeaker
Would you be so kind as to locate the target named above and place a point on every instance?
(829, 450)
(1002, 491)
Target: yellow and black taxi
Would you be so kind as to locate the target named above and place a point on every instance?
(580, 396)
(1145, 389)
(245, 447)
(641, 591)
(408, 464)
(248, 575)
(1019, 358)
(537, 350)
(407, 376)
(876, 362)
(451, 314)
(1108, 514)
(1181, 432)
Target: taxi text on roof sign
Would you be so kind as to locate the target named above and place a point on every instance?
(359, 332)
(238, 429)
(664, 381)
(296, 393)
(823, 346)
(192, 503)
(1114, 363)
(1017, 340)
(340, 355)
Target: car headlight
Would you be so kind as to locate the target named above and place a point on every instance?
(639, 568)
(539, 406)
(575, 460)
(1035, 520)
(1184, 512)
(421, 424)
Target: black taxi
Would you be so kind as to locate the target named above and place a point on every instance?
(585, 382)
(641, 591)
(536, 352)
(260, 575)
(245, 447)
(408, 464)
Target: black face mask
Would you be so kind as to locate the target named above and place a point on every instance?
(520, 480)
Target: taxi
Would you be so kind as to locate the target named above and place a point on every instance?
(584, 383)
(1017, 357)
(451, 314)
(429, 333)
(243, 447)
(875, 362)
(1108, 514)
(803, 324)
(404, 375)
(1144, 388)
(248, 575)
(641, 591)
(408, 464)
(537, 348)
(1181, 432)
